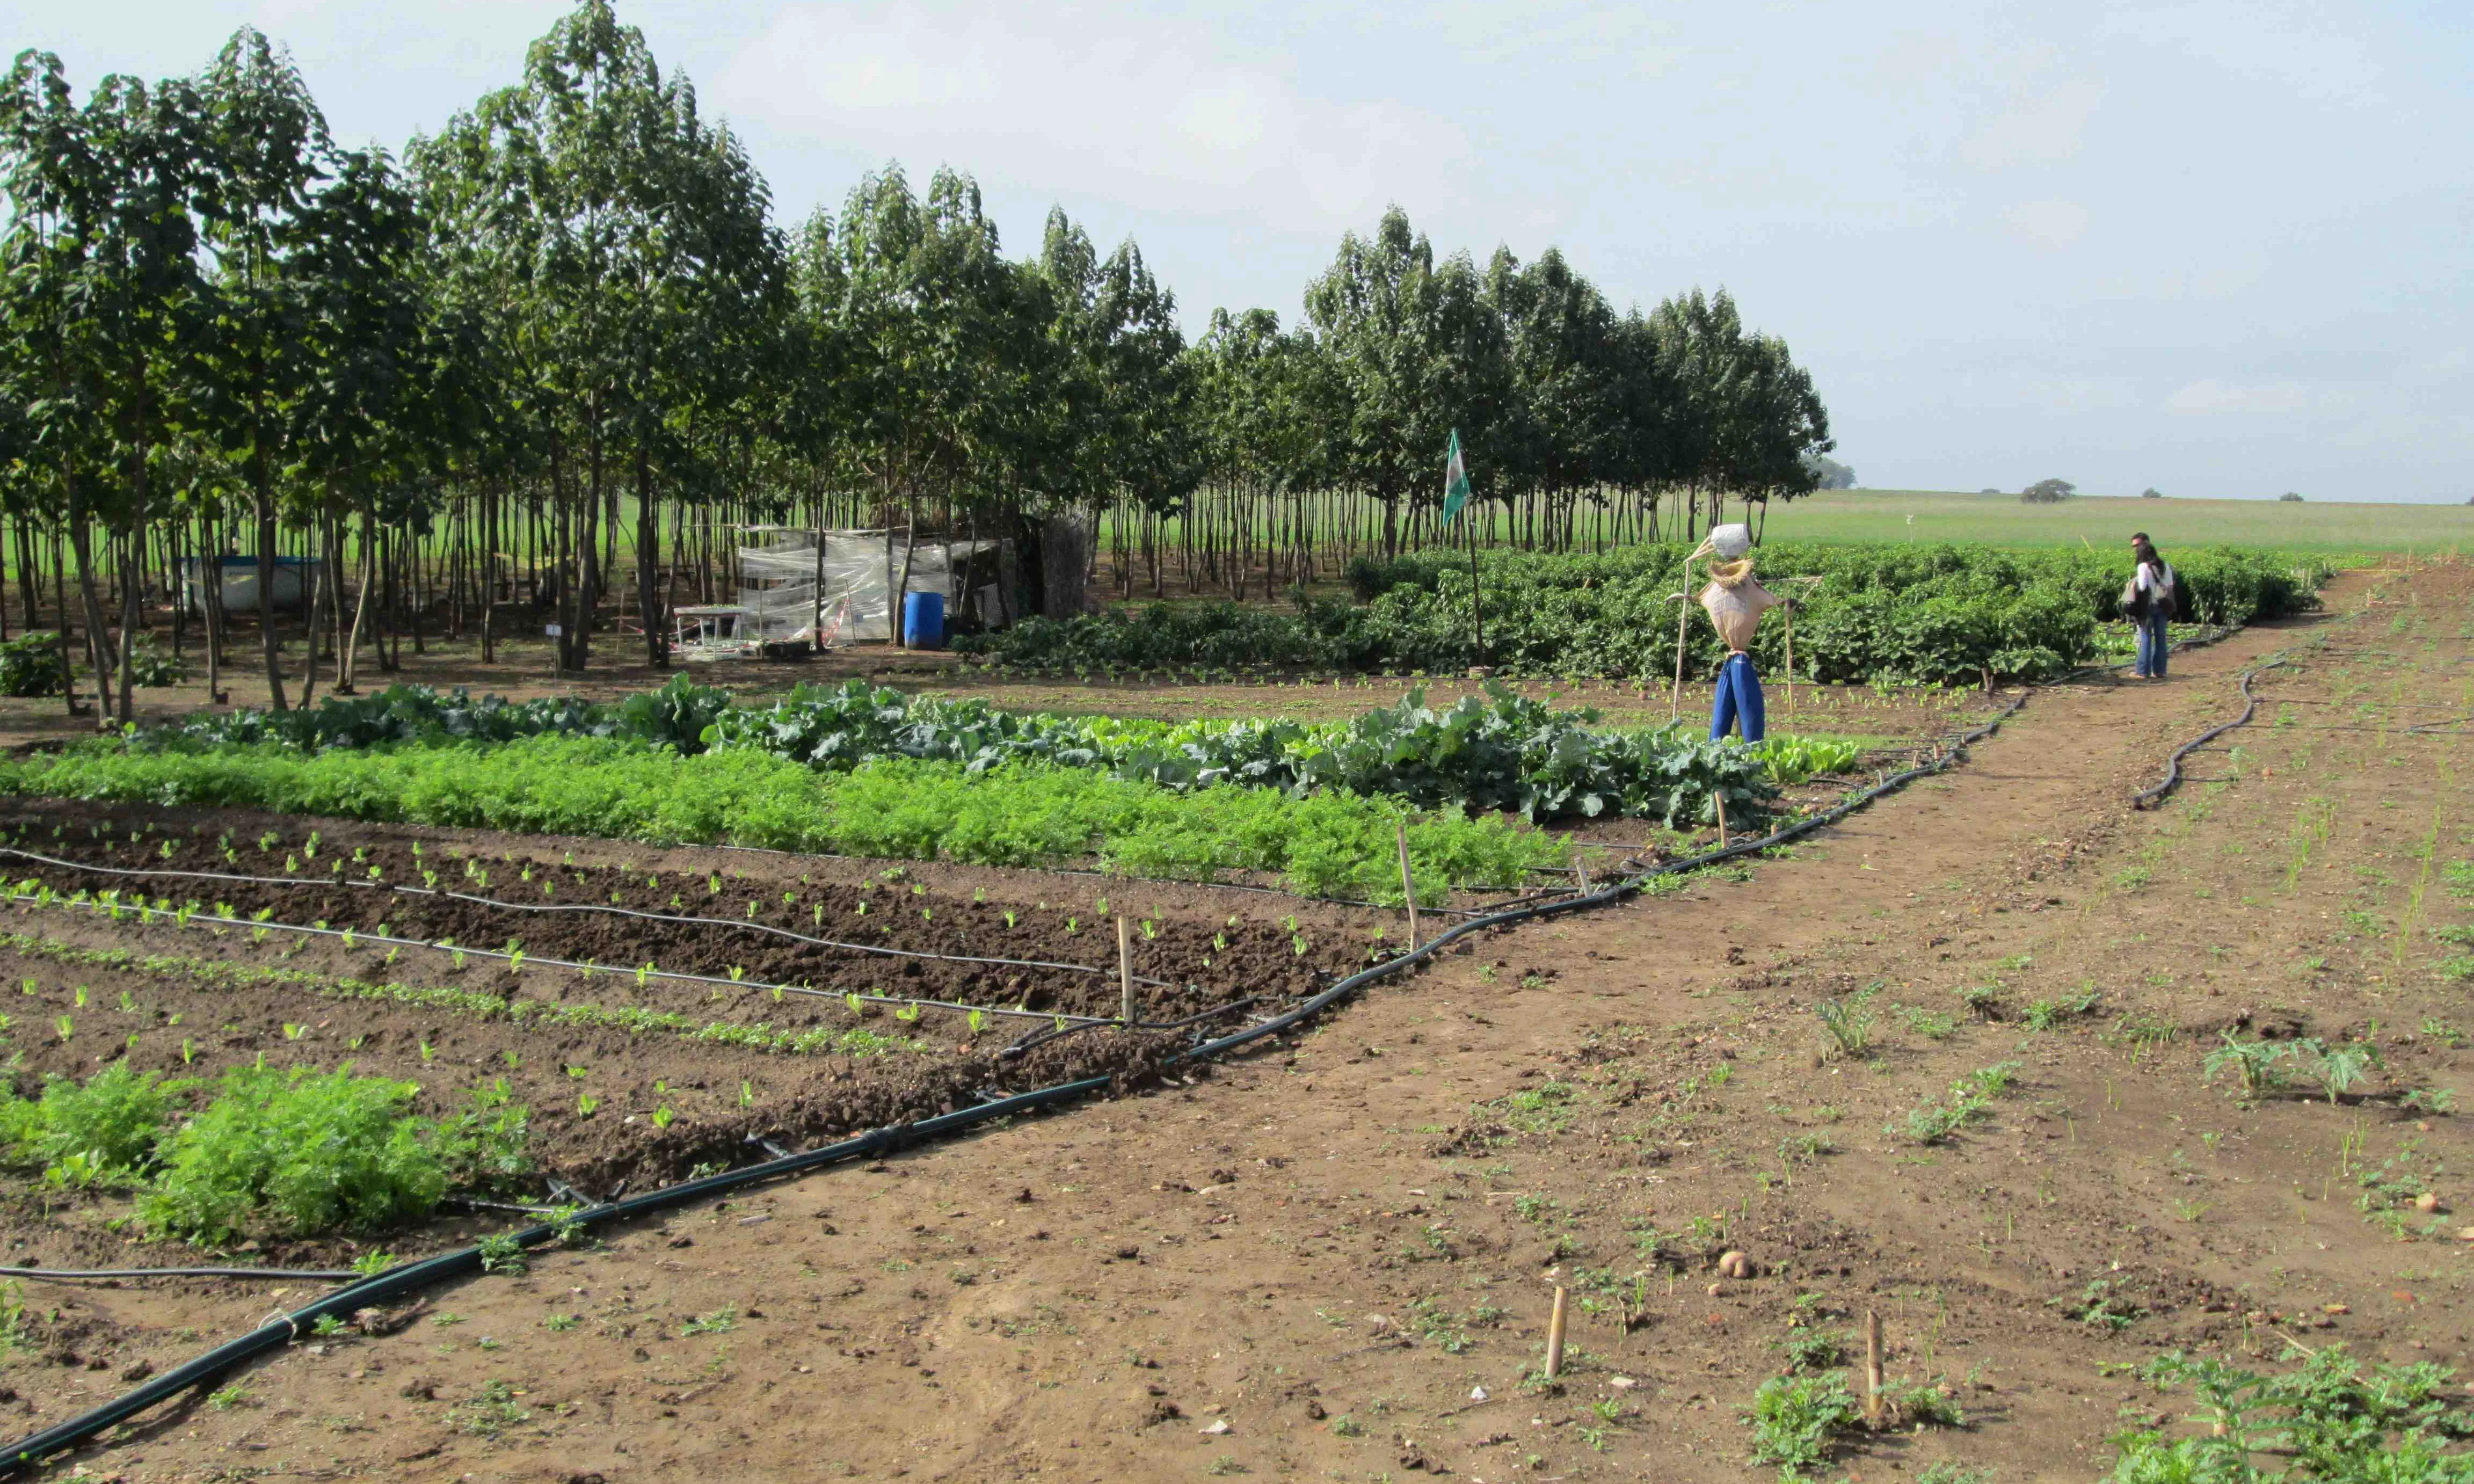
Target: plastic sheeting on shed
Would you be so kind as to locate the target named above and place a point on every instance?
(778, 583)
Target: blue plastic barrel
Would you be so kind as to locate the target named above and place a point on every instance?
(923, 621)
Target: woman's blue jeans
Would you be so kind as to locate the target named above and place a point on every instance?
(2152, 648)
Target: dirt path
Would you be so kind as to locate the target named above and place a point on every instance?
(1337, 1260)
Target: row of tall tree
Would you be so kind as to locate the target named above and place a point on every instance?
(564, 337)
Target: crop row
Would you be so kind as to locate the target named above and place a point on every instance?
(1503, 753)
(1929, 614)
(277, 1150)
(1013, 814)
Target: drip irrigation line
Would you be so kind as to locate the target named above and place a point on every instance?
(576, 907)
(1071, 871)
(462, 1262)
(146, 914)
(87, 1275)
(1033, 1039)
(2149, 797)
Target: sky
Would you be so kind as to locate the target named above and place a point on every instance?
(2216, 248)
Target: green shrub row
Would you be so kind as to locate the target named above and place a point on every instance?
(1015, 814)
(276, 1151)
(1894, 613)
(675, 715)
(31, 665)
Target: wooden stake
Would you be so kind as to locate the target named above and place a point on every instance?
(1126, 970)
(1408, 883)
(1718, 797)
(1683, 612)
(1790, 659)
(1872, 1369)
(1582, 868)
(1555, 1336)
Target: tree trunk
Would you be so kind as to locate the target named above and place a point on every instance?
(348, 662)
(98, 646)
(648, 546)
(266, 560)
(309, 630)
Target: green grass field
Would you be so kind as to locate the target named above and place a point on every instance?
(2004, 520)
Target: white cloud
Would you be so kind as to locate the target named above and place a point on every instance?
(2043, 130)
(2047, 223)
(2211, 396)
(1145, 109)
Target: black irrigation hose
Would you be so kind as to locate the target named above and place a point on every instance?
(462, 1262)
(1041, 1036)
(83, 1274)
(2149, 797)
(1069, 870)
(575, 907)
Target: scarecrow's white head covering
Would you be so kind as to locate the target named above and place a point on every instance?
(1729, 543)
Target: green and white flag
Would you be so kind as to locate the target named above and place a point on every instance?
(1456, 489)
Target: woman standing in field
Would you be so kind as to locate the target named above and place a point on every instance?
(2150, 601)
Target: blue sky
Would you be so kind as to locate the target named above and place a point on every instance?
(2219, 248)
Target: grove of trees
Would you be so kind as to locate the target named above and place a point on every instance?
(541, 367)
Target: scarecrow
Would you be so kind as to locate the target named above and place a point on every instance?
(1734, 602)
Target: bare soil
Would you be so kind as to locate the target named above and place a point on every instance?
(1336, 1260)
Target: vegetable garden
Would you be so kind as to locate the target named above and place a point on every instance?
(811, 987)
(486, 1019)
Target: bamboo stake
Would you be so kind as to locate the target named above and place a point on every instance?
(1683, 612)
(1872, 1369)
(1718, 797)
(1790, 659)
(1126, 970)
(1555, 1336)
(1408, 883)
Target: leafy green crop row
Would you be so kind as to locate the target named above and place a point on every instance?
(1506, 752)
(1932, 613)
(284, 1152)
(1014, 814)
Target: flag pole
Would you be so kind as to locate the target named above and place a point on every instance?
(1456, 498)
(1477, 605)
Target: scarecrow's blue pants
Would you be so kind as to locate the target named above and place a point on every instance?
(1739, 701)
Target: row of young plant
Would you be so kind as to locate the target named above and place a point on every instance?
(1891, 613)
(262, 1150)
(1505, 752)
(561, 1013)
(1031, 813)
(2329, 1420)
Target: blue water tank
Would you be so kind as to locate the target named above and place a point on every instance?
(923, 621)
